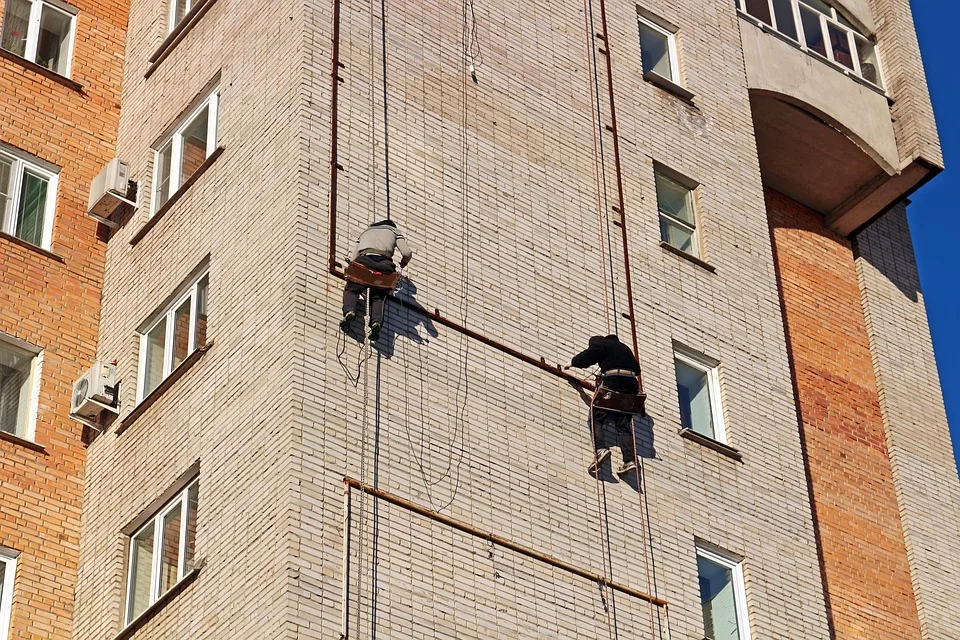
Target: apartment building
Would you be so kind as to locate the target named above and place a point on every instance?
(721, 184)
(61, 66)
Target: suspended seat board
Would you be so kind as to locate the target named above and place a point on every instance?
(619, 402)
(359, 274)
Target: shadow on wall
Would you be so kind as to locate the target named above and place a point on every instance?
(399, 321)
(887, 246)
(884, 243)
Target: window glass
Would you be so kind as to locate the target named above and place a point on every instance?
(718, 600)
(6, 187)
(161, 192)
(170, 549)
(53, 41)
(181, 333)
(759, 9)
(141, 570)
(194, 145)
(840, 43)
(674, 199)
(179, 11)
(693, 388)
(201, 330)
(33, 206)
(820, 6)
(869, 65)
(678, 236)
(153, 364)
(786, 23)
(8, 568)
(655, 51)
(16, 386)
(812, 31)
(16, 22)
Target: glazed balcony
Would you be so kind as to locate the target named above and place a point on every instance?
(825, 133)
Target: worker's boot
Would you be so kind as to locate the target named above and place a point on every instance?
(626, 468)
(347, 319)
(602, 454)
(374, 331)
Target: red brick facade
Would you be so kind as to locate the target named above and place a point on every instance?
(51, 300)
(863, 555)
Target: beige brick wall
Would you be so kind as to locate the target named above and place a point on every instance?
(911, 403)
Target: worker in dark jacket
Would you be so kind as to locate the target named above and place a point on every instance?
(618, 372)
(374, 250)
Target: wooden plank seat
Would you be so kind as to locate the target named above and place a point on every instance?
(359, 274)
(619, 402)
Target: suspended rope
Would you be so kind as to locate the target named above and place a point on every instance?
(599, 150)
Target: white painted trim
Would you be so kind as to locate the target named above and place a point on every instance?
(33, 31)
(23, 163)
(711, 368)
(36, 355)
(8, 564)
(739, 586)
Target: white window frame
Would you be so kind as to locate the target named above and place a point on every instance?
(739, 586)
(181, 501)
(8, 565)
(176, 141)
(711, 368)
(172, 13)
(168, 314)
(33, 31)
(30, 428)
(833, 19)
(663, 172)
(22, 164)
(671, 47)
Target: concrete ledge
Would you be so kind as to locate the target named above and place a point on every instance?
(26, 444)
(686, 256)
(710, 443)
(31, 247)
(179, 32)
(43, 71)
(668, 86)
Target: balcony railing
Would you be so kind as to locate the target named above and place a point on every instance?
(820, 30)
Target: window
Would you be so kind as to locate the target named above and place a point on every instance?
(819, 28)
(678, 221)
(27, 199)
(162, 551)
(180, 155)
(172, 336)
(722, 596)
(658, 50)
(178, 9)
(8, 571)
(19, 369)
(698, 388)
(41, 32)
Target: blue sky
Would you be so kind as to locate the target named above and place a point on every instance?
(934, 219)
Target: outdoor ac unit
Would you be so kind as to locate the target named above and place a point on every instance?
(108, 191)
(93, 394)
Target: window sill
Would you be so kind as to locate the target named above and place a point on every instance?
(152, 222)
(43, 71)
(137, 623)
(168, 382)
(26, 444)
(686, 256)
(671, 87)
(710, 443)
(179, 33)
(32, 247)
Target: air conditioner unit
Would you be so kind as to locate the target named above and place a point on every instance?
(93, 394)
(108, 190)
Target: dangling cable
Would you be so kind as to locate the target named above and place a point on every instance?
(386, 131)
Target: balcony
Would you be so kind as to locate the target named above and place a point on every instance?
(822, 118)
